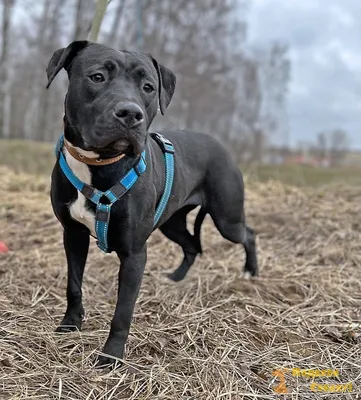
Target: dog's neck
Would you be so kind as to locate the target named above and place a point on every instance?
(102, 176)
(74, 138)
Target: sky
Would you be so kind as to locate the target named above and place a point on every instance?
(324, 39)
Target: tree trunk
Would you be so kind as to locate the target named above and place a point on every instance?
(45, 95)
(116, 21)
(40, 95)
(98, 18)
(4, 59)
(78, 26)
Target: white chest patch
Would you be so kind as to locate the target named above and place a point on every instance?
(78, 209)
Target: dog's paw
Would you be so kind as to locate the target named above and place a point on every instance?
(67, 328)
(176, 276)
(69, 325)
(246, 275)
(104, 362)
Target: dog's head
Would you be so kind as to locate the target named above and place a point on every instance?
(112, 97)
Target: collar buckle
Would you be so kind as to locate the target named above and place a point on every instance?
(165, 144)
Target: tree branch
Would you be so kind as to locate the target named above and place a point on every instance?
(97, 20)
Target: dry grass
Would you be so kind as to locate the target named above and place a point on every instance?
(212, 336)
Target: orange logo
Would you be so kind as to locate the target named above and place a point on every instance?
(310, 374)
(281, 387)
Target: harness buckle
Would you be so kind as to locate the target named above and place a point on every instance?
(87, 191)
(165, 144)
(136, 169)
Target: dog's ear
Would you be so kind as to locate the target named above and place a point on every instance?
(166, 83)
(62, 58)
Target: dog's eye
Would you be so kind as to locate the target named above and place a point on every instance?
(148, 88)
(97, 78)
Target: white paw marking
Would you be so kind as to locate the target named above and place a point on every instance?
(246, 275)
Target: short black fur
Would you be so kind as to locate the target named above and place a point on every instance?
(205, 176)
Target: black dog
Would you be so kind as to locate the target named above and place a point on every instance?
(112, 99)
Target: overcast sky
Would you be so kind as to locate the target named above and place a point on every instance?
(324, 37)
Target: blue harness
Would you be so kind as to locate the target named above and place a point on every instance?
(102, 215)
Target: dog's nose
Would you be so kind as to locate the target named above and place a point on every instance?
(130, 114)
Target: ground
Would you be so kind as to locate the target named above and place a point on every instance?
(213, 335)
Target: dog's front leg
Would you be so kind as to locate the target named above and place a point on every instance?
(129, 282)
(76, 244)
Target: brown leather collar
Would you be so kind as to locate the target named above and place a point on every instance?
(91, 161)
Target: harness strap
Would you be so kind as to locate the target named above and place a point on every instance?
(102, 215)
(168, 150)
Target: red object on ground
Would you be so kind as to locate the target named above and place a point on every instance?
(3, 248)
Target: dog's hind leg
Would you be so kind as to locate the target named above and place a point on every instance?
(241, 233)
(176, 230)
(251, 265)
(225, 203)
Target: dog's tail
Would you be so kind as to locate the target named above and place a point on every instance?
(197, 229)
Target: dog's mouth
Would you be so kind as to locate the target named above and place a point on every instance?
(111, 149)
(114, 140)
(116, 147)
(119, 146)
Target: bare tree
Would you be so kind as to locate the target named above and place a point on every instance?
(192, 38)
(111, 39)
(7, 7)
(84, 10)
(339, 142)
(79, 21)
(274, 76)
(332, 145)
(101, 7)
(222, 89)
(321, 145)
